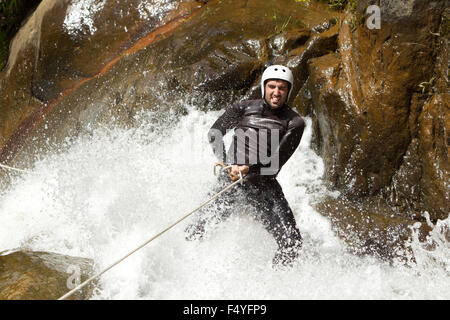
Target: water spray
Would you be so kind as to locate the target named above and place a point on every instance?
(80, 286)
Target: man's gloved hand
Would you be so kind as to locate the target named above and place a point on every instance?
(234, 174)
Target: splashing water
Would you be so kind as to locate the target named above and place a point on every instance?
(149, 9)
(113, 190)
(80, 16)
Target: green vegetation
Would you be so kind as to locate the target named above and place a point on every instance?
(352, 5)
(426, 85)
(12, 13)
(339, 4)
(353, 24)
(279, 29)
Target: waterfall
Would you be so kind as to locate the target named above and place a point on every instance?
(115, 188)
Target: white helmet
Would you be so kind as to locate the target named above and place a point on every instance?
(277, 72)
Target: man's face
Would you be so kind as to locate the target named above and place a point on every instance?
(276, 92)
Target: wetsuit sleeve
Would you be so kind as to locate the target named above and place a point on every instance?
(291, 140)
(227, 121)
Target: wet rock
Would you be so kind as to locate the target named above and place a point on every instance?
(434, 123)
(378, 98)
(286, 41)
(206, 57)
(297, 58)
(64, 44)
(368, 111)
(379, 106)
(28, 275)
(371, 227)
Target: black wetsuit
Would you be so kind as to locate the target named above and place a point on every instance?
(261, 190)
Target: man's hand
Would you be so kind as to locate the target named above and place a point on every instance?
(235, 171)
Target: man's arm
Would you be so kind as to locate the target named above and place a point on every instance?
(228, 120)
(290, 140)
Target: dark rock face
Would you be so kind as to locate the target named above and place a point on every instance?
(374, 124)
(207, 57)
(66, 44)
(378, 97)
(27, 275)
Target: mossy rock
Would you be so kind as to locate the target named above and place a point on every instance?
(29, 275)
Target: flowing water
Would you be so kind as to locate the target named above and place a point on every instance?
(116, 188)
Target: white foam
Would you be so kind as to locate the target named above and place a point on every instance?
(80, 16)
(154, 8)
(114, 190)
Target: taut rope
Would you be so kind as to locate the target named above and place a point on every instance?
(68, 294)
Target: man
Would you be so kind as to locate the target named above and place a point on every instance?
(267, 132)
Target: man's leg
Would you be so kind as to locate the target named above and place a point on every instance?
(274, 212)
(213, 213)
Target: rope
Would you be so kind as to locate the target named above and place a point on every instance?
(4, 166)
(68, 294)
